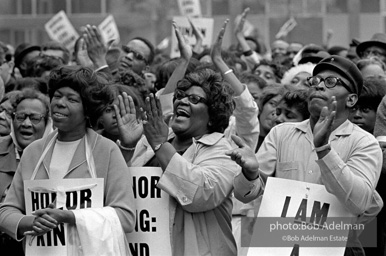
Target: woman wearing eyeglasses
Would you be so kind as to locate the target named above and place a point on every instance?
(196, 172)
(30, 122)
(73, 151)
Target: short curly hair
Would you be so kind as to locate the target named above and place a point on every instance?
(88, 83)
(219, 94)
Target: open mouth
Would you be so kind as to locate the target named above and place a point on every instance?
(59, 115)
(182, 113)
(26, 134)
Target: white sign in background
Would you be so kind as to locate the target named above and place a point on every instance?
(205, 25)
(190, 8)
(71, 194)
(151, 235)
(109, 30)
(59, 28)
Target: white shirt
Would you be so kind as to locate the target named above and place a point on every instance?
(61, 158)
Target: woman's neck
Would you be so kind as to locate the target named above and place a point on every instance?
(263, 132)
(71, 136)
(181, 144)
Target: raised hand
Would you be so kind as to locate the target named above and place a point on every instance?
(179, 72)
(240, 25)
(183, 45)
(96, 48)
(245, 157)
(130, 128)
(324, 126)
(199, 37)
(82, 56)
(217, 46)
(155, 128)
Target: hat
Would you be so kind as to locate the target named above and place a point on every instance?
(378, 39)
(344, 67)
(22, 50)
(313, 57)
(335, 50)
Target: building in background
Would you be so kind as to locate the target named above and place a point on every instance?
(23, 20)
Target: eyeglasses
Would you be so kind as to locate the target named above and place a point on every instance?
(34, 118)
(329, 82)
(376, 53)
(7, 112)
(195, 99)
(136, 54)
(43, 55)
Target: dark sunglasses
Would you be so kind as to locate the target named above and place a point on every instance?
(136, 54)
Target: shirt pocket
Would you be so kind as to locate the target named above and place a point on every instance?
(287, 170)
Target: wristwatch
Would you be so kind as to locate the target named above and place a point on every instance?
(158, 146)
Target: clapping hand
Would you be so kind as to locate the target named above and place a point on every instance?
(130, 128)
(183, 45)
(324, 126)
(155, 128)
(96, 48)
(240, 25)
(82, 56)
(199, 37)
(217, 46)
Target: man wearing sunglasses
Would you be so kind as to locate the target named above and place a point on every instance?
(138, 55)
(326, 149)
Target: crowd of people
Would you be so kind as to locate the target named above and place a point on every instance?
(218, 122)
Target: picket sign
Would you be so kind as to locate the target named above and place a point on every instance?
(295, 201)
(59, 28)
(205, 25)
(190, 8)
(109, 30)
(151, 235)
(68, 194)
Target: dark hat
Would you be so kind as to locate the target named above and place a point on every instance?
(344, 67)
(22, 50)
(378, 39)
(313, 57)
(354, 42)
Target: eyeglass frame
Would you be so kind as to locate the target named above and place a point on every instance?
(321, 79)
(43, 55)
(376, 53)
(190, 97)
(41, 117)
(126, 49)
(8, 112)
